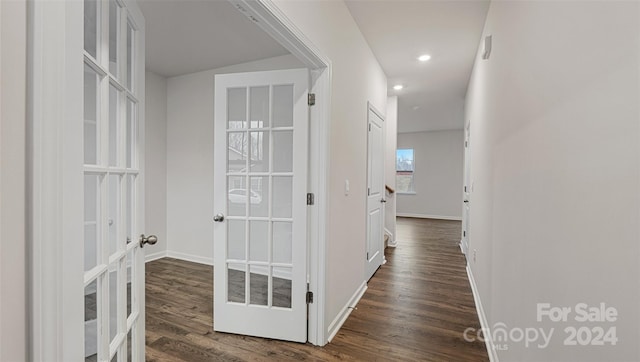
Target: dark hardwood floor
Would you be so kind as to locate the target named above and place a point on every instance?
(416, 309)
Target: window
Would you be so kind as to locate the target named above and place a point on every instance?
(404, 171)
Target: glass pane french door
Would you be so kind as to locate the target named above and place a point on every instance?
(260, 196)
(112, 183)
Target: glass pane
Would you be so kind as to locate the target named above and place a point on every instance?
(132, 133)
(114, 212)
(237, 194)
(115, 357)
(237, 108)
(91, 213)
(130, 207)
(237, 155)
(283, 106)
(283, 151)
(113, 125)
(259, 110)
(258, 285)
(129, 346)
(130, 276)
(113, 304)
(259, 196)
(91, 26)
(259, 151)
(130, 48)
(281, 291)
(282, 242)
(236, 240)
(114, 16)
(91, 129)
(282, 194)
(258, 240)
(236, 283)
(91, 322)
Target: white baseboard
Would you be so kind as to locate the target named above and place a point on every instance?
(189, 257)
(155, 256)
(484, 324)
(339, 320)
(425, 216)
(392, 242)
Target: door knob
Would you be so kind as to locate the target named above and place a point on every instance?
(466, 201)
(218, 218)
(383, 200)
(151, 239)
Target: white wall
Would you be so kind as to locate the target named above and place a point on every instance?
(438, 175)
(156, 163)
(555, 141)
(356, 78)
(190, 157)
(13, 266)
(391, 140)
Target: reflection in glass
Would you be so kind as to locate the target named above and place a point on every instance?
(91, 207)
(283, 106)
(258, 285)
(282, 242)
(114, 212)
(282, 194)
(281, 291)
(91, 129)
(91, 26)
(237, 108)
(236, 240)
(90, 321)
(259, 196)
(236, 283)
(283, 151)
(259, 110)
(258, 240)
(259, 151)
(237, 196)
(114, 17)
(113, 125)
(237, 153)
(113, 304)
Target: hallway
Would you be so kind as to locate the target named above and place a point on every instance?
(416, 308)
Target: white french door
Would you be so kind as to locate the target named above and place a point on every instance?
(260, 236)
(113, 103)
(375, 193)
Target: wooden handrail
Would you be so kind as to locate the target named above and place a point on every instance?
(389, 189)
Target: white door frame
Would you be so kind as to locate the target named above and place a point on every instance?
(52, 110)
(273, 21)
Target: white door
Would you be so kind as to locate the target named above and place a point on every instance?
(113, 105)
(375, 194)
(466, 192)
(260, 186)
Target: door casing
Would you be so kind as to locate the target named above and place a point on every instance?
(52, 107)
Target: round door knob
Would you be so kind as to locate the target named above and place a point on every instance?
(383, 200)
(151, 239)
(218, 218)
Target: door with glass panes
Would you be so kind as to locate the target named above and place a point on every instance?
(113, 105)
(260, 186)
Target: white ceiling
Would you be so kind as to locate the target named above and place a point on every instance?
(186, 36)
(398, 31)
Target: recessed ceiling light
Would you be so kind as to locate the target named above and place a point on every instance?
(398, 86)
(424, 57)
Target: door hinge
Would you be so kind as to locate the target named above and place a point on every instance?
(367, 256)
(309, 297)
(368, 191)
(310, 198)
(369, 127)
(311, 99)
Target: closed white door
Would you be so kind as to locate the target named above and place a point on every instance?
(260, 186)
(113, 103)
(375, 194)
(466, 192)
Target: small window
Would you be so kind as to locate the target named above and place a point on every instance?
(404, 171)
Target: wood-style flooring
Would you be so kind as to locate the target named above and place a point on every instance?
(416, 309)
